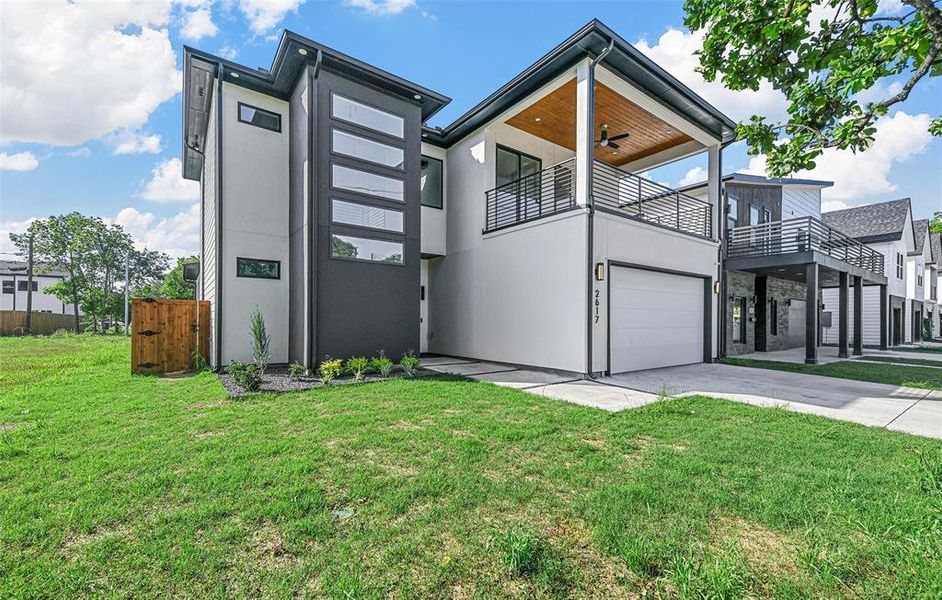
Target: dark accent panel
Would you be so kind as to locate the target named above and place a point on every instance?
(768, 197)
(362, 307)
(811, 313)
(298, 124)
(884, 315)
(707, 319)
(858, 316)
(762, 319)
(842, 316)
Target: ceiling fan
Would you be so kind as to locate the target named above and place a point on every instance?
(605, 140)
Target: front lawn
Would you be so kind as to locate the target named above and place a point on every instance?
(115, 485)
(893, 374)
(906, 361)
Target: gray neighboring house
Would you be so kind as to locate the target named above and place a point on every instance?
(886, 227)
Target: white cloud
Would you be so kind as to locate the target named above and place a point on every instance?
(178, 235)
(865, 174)
(228, 52)
(265, 14)
(198, 24)
(7, 249)
(21, 161)
(73, 72)
(82, 152)
(674, 51)
(168, 185)
(694, 175)
(134, 142)
(381, 7)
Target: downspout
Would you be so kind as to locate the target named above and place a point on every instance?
(721, 251)
(311, 287)
(220, 268)
(590, 205)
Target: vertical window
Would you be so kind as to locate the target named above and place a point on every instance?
(739, 320)
(431, 179)
(8, 287)
(259, 117)
(919, 280)
(360, 114)
(899, 265)
(754, 215)
(773, 317)
(732, 212)
(518, 173)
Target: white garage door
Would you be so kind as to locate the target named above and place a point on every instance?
(656, 319)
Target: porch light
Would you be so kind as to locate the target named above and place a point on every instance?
(600, 271)
(716, 287)
(302, 51)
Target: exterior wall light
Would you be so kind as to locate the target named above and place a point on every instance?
(716, 287)
(302, 51)
(600, 271)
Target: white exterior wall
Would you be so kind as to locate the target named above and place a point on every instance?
(623, 240)
(254, 224)
(42, 301)
(433, 219)
(895, 286)
(208, 274)
(871, 315)
(800, 201)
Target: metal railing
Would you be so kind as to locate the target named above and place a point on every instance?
(618, 192)
(802, 234)
(551, 191)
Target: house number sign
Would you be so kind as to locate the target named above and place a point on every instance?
(598, 302)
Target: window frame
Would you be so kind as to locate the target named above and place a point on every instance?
(732, 215)
(8, 284)
(333, 150)
(334, 221)
(366, 236)
(241, 259)
(773, 316)
(359, 168)
(520, 155)
(24, 283)
(263, 110)
(441, 188)
(739, 301)
(330, 111)
(900, 271)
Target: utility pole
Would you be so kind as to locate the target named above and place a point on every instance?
(127, 285)
(29, 287)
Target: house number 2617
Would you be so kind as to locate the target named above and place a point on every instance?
(597, 303)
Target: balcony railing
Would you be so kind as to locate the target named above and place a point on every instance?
(629, 195)
(803, 234)
(553, 190)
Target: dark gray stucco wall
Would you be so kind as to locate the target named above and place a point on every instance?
(781, 290)
(361, 306)
(298, 126)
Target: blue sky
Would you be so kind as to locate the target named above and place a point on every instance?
(83, 135)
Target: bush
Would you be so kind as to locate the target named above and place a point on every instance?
(381, 364)
(199, 362)
(261, 341)
(409, 363)
(248, 377)
(296, 370)
(357, 366)
(330, 369)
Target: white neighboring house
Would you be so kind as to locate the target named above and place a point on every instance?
(920, 264)
(935, 241)
(520, 233)
(886, 227)
(15, 283)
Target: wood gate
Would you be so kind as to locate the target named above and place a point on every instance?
(165, 334)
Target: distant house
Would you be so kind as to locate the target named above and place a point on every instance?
(922, 274)
(886, 227)
(15, 285)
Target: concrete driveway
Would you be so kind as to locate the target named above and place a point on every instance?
(902, 409)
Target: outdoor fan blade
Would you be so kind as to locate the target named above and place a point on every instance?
(620, 136)
(612, 144)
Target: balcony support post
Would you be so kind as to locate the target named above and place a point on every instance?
(842, 316)
(811, 313)
(884, 317)
(858, 315)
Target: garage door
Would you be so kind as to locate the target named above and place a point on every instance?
(656, 319)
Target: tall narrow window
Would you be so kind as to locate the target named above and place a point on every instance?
(519, 185)
(899, 265)
(732, 214)
(431, 180)
(739, 320)
(773, 317)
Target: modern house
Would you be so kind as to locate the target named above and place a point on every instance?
(918, 285)
(935, 240)
(16, 285)
(519, 233)
(886, 228)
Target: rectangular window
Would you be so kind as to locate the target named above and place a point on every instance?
(364, 149)
(362, 215)
(345, 178)
(352, 111)
(431, 179)
(754, 215)
(259, 117)
(919, 280)
(739, 320)
(23, 285)
(732, 215)
(899, 265)
(773, 317)
(357, 248)
(257, 268)
(8, 287)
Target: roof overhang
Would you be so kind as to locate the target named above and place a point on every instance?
(760, 180)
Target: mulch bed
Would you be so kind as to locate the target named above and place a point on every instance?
(276, 379)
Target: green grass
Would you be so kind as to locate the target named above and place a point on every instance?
(928, 349)
(905, 361)
(116, 485)
(893, 374)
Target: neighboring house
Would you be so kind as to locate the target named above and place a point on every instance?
(15, 286)
(886, 227)
(935, 240)
(519, 233)
(918, 265)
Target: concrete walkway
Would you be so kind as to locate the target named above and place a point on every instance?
(902, 409)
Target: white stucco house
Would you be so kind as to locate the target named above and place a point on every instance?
(519, 233)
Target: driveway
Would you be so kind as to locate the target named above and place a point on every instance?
(902, 409)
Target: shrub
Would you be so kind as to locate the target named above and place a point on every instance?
(296, 370)
(261, 341)
(409, 363)
(381, 364)
(357, 366)
(330, 369)
(199, 362)
(248, 377)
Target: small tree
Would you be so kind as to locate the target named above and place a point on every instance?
(261, 342)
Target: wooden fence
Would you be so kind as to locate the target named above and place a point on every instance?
(13, 322)
(165, 334)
